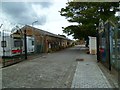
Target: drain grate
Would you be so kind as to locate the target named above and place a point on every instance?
(79, 59)
(43, 56)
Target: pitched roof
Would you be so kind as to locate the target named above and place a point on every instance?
(44, 32)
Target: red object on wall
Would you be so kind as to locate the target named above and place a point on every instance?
(16, 51)
(101, 50)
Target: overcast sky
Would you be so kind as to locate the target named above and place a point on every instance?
(46, 13)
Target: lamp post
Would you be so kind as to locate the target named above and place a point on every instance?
(34, 34)
(1, 25)
(21, 39)
(34, 22)
(25, 40)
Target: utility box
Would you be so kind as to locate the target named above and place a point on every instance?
(92, 45)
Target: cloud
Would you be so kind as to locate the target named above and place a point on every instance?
(23, 12)
(45, 11)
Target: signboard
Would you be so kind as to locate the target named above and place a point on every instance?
(16, 35)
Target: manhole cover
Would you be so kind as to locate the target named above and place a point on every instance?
(79, 59)
(43, 56)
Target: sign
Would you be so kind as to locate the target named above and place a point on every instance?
(16, 35)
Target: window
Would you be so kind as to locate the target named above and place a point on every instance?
(17, 43)
(32, 42)
(3, 44)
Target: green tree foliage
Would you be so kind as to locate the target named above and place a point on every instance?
(87, 15)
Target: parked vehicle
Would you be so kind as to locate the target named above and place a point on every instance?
(14, 45)
(30, 44)
(10, 45)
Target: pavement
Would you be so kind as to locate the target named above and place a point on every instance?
(57, 70)
(112, 75)
(88, 74)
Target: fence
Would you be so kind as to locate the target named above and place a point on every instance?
(109, 44)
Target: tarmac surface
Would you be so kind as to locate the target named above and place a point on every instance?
(52, 70)
(69, 68)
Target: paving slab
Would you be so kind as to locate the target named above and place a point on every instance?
(88, 74)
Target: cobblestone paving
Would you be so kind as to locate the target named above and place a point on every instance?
(89, 75)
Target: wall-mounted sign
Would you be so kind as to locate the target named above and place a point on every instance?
(16, 35)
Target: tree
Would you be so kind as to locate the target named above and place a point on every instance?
(87, 15)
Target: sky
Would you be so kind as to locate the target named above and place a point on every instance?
(46, 12)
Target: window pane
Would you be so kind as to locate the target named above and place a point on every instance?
(32, 42)
(3, 44)
(17, 43)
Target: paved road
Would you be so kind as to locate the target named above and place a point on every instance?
(52, 70)
(56, 70)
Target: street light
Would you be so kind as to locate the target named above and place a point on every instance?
(34, 33)
(34, 22)
(25, 40)
(1, 25)
(21, 39)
